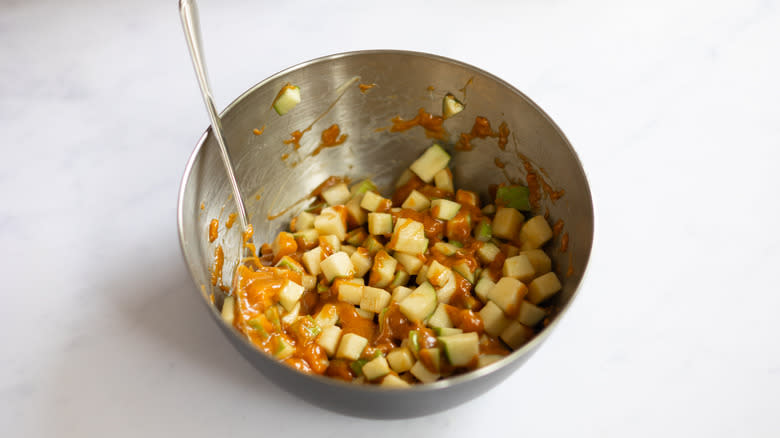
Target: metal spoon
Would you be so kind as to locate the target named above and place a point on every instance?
(188, 10)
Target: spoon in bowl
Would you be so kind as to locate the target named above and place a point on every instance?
(188, 10)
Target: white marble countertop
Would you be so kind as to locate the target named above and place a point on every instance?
(672, 106)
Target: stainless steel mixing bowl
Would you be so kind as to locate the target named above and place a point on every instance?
(405, 82)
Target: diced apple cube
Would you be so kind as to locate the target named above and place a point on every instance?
(422, 275)
(304, 221)
(445, 293)
(312, 259)
(337, 194)
(290, 263)
(383, 270)
(438, 274)
(493, 319)
(307, 238)
(419, 304)
(393, 381)
(372, 201)
(359, 189)
(365, 314)
(529, 314)
(337, 265)
(290, 316)
(282, 346)
(539, 260)
(380, 224)
(536, 232)
(506, 223)
(332, 220)
(400, 278)
(361, 261)
(444, 209)
(446, 331)
(228, 310)
(351, 346)
(376, 368)
(416, 201)
(350, 292)
(519, 267)
(444, 248)
(400, 359)
(283, 245)
(439, 318)
(405, 177)
(543, 287)
(461, 349)
(356, 216)
(409, 237)
(329, 339)
(411, 263)
(443, 180)
(327, 316)
(487, 252)
(356, 237)
(508, 293)
(434, 159)
(487, 359)
(467, 197)
(349, 249)
(309, 282)
(418, 370)
(465, 269)
(374, 299)
(516, 334)
(330, 244)
(483, 288)
(289, 294)
(400, 292)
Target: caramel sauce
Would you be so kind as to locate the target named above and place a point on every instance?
(490, 345)
(365, 87)
(430, 88)
(553, 194)
(202, 206)
(285, 156)
(557, 228)
(213, 230)
(331, 137)
(565, 242)
(465, 319)
(295, 138)
(503, 135)
(258, 131)
(537, 185)
(465, 86)
(230, 221)
(219, 262)
(393, 326)
(500, 164)
(482, 129)
(433, 125)
(532, 181)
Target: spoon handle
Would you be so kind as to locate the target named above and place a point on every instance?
(188, 10)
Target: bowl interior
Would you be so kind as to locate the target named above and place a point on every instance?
(273, 175)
